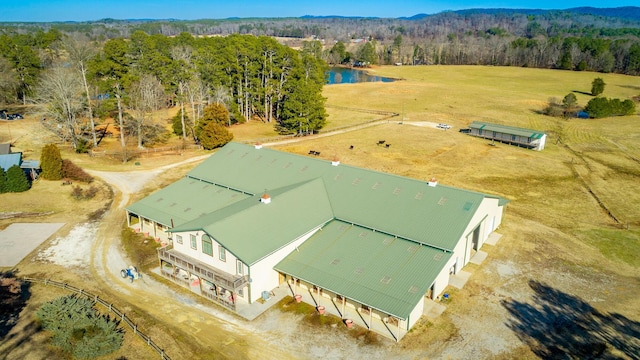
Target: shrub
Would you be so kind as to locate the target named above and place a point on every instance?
(74, 172)
(78, 329)
(76, 192)
(51, 162)
(79, 194)
(603, 107)
(17, 180)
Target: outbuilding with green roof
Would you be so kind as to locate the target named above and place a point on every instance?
(531, 139)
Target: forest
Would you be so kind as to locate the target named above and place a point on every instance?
(70, 78)
(272, 70)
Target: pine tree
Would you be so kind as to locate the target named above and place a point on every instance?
(78, 329)
(51, 162)
(597, 86)
(17, 180)
(214, 135)
(3, 181)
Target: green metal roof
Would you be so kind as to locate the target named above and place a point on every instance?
(386, 273)
(183, 201)
(252, 230)
(397, 205)
(390, 227)
(504, 129)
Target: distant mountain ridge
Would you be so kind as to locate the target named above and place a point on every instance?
(625, 12)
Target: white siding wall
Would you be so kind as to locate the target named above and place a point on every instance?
(416, 313)
(228, 266)
(263, 277)
(543, 141)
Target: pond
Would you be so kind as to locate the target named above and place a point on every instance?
(350, 76)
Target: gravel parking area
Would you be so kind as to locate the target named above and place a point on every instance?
(20, 239)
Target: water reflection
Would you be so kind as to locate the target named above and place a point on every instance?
(352, 76)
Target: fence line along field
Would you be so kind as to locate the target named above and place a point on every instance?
(571, 231)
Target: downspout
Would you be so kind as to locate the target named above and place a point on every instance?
(249, 287)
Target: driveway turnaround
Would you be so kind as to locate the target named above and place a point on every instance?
(18, 240)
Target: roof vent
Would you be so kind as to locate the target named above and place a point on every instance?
(258, 146)
(433, 182)
(335, 161)
(265, 198)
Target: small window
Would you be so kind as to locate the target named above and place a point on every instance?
(513, 138)
(222, 253)
(179, 239)
(207, 246)
(240, 267)
(194, 243)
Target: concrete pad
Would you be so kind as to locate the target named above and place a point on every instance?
(493, 239)
(478, 258)
(458, 280)
(432, 309)
(20, 239)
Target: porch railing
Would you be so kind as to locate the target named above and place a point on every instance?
(206, 272)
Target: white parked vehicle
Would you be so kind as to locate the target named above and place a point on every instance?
(443, 126)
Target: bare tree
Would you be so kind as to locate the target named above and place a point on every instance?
(182, 56)
(197, 93)
(147, 96)
(80, 52)
(61, 101)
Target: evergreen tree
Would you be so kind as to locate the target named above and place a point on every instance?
(176, 123)
(3, 181)
(78, 329)
(569, 104)
(597, 86)
(303, 111)
(17, 180)
(51, 162)
(367, 53)
(213, 113)
(566, 62)
(214, 135)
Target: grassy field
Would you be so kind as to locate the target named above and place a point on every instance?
(573, 221)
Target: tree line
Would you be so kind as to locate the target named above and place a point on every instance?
(544, 39)
(76, 82)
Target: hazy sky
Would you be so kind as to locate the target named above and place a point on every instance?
(81, 10)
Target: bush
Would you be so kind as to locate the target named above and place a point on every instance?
(74, 172)
(51, 162)
(78, 329)
(603, 107)
(79, 194)
(17, 180)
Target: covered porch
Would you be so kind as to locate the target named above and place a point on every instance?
(149, 228)
(349, 310)
(211, 283)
